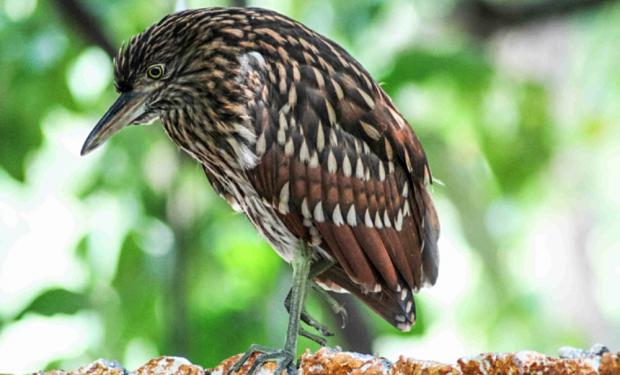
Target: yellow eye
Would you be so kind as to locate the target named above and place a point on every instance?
(155, 71)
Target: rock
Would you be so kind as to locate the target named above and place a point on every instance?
(159, 365)
(598, 360)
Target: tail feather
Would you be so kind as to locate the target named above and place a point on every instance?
(395, 306)
(430, 235)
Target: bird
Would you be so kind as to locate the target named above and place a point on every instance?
(292, 131)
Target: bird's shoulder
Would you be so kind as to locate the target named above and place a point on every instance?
(323, 103)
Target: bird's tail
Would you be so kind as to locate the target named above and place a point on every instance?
(396, 307)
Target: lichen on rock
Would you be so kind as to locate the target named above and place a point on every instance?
(598, 360)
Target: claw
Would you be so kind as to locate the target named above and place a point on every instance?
(254, 348)
(342, 313)
(283, 358)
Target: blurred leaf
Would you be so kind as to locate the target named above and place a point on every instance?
(138, 285)
(57, 301)
(466, 69)
(54, 365)
(33, 59)
(81, 249)
(517, 157)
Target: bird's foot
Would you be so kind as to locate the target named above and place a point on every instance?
(321, 340)
(341, 311)
(336, 307)
(310, 321)
(283, 359)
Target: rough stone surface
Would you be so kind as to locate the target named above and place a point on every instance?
(159, 365)
(597, 360)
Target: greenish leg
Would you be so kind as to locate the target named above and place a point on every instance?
(284, 358)
(334, 305)
(301, 270)
(319, 267)
(316, 269)
(311, 336)
(309, 320)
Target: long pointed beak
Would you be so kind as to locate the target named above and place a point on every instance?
(128, 107)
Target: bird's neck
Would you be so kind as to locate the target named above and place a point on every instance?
(216, 139)
(213, 124)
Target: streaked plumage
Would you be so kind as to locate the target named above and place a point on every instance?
(295, 133)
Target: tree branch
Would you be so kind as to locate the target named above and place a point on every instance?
(483, 18)
(84, 23)
(239, 3)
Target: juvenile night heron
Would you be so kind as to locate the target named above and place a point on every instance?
(292, 131)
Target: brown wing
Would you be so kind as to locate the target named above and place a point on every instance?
(348, 175)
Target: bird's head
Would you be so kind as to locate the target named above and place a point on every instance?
(150, 74)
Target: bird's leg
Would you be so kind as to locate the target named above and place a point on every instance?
(284, 358)
(319, 267)
(301, 270)
(336, 306)
(309, 320)
(316, 269)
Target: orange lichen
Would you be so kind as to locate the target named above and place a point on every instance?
(415, 367)
(336, 362)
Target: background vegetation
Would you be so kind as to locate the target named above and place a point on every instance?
(128, 254)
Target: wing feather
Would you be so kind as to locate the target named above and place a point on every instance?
(347, 174)
(376, 250)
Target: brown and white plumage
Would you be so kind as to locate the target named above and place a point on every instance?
(294, 132)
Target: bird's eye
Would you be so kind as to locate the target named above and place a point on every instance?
(155, 71)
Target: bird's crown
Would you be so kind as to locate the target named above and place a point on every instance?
(159, 51)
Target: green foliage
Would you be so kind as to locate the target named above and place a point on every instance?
(463, 70)
(56, 301)
(137, 282)
(517, 155)
(39, 51)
